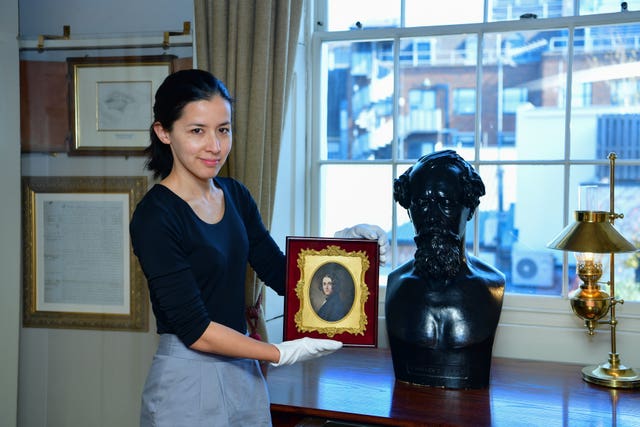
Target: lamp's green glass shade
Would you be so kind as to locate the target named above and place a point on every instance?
(591, 232)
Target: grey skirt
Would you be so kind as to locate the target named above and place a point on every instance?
(190, 388)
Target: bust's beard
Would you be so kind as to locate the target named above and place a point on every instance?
(438, 254)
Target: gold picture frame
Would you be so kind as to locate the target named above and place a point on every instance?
(111, 102)
(79, 269)
(350, 313)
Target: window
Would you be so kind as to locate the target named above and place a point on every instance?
(581, 94)
(512, 98)
(464, 101)
(422, 100)
(624, 92)
(398, 93)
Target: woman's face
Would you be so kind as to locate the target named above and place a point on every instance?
(200, 139)
(327, 285)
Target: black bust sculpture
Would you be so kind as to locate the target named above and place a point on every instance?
(442, 307)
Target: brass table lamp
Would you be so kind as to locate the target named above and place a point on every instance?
(591, 236)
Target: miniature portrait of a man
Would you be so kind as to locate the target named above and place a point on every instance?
(332, 292)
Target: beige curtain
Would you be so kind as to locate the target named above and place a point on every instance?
(250, 45)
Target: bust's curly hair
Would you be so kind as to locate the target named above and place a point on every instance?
(471, 181)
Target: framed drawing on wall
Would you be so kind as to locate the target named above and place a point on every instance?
(111, 102)
(79, 269)
(332, 290)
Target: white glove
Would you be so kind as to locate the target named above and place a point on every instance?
(304, 349)
(368, 231)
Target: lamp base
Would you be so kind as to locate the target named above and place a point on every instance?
(605, 375)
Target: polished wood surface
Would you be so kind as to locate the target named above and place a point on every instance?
(357, 385)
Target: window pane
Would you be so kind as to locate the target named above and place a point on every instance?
(522, 78)
(437, 94)
(359, 94)
(511, 237)
(513, 9)
(420, 13)
(464, 101)
(606, 59)
(591, 7)
(345, 201)
(512, 98)
(344, 15)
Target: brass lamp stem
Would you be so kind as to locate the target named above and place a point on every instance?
(612, 373)
(612, 218)
(613, 321)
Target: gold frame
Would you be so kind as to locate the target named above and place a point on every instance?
(100, 93)
(310, 262)
(355, 264)
(73, 202)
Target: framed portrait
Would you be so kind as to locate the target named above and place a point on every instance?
(79, 269)
(111, 102)
(332, 290)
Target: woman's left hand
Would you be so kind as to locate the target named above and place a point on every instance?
(368, 231)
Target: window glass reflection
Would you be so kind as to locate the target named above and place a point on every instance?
(606, 81)
(523, 77)
(591, 7)
(420, 13)
(437, 94)
(359, 95)
(345, 201)
(356, 14)
(508, 10)
(505, 111)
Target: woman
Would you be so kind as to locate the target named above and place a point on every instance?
(193, 234)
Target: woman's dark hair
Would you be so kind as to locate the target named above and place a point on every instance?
(176, 91)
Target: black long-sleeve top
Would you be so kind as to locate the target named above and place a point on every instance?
(196, 270)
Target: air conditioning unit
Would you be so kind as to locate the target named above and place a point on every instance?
(532, 268)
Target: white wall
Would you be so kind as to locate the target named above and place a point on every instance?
(91, 18)
(68, 377)
(9, 212)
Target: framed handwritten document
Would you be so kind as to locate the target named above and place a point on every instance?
(79, 268)
(332, 290)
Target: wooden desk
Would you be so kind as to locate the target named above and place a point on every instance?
(357, 385)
